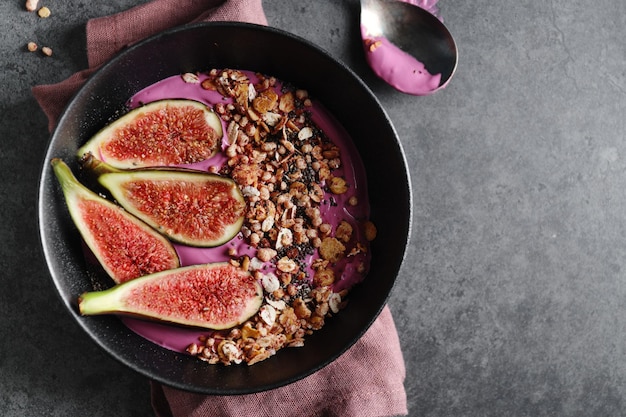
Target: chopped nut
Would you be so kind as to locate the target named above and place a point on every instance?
(242, 93)
(266, 254)
(301, 309)
(316, 193)
(334, 302)
(247, 331)
(229, 352)
(331, 249)
(370, 230)
(278, 294)
(285, 279)
(278, 305)
(270, 282)
(268, 314)
(320, 264)
(284, 238)
(44, 12)
(255, 264)
(32, 46)
(324, 277)
(250, 191)
(47, 51)
(287, 102)
(208, 84)
(325, 229)
(245, 263)
(271, 119)
(344, 231)
(331, 153)
(372, 44)
(31, 5)
(289, 320)
(286, 265)
(322, 309)
(265, 101)
(358, 248)
(316, 322)
(305, 133)
(260, 355)
(190, 78)
(338, 185)
(193, 349)
(235, 333)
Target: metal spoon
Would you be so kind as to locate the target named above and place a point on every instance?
(407, 46)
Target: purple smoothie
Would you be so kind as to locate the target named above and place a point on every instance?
(334, 209)
(401, 70)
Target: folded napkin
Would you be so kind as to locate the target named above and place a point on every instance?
(367, 380)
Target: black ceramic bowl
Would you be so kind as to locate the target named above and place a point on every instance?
(274, 52)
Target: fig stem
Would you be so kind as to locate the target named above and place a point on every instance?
(100, 302)
(65, 176)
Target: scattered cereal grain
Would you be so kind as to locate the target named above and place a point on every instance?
(43, 12)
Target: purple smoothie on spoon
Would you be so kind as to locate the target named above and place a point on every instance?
(407, 46)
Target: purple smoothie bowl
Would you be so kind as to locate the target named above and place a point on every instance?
(201, 47)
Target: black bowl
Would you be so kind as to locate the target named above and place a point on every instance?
(274, 52)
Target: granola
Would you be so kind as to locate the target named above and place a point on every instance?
(291, 175)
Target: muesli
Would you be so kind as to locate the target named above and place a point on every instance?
(306, 231)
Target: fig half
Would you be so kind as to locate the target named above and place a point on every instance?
(213, 296)
(191, 207)
(125, 246)
(161, 133)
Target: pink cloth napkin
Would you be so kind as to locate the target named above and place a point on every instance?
(367, 380)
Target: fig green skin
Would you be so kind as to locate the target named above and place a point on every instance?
(115, 181)
(212, 303)
(96, 144)
(75, 193)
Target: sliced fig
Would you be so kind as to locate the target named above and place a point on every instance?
(161, 133)
(214, 296)
(125, 246)
(191, 207)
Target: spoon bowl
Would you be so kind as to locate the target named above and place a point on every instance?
(407, 46)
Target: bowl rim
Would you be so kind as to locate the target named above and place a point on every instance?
(45, 176)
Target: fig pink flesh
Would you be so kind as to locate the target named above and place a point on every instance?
(218, 295)
(209, 205)
(128, 257)
(174, 135)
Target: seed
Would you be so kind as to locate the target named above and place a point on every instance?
(32, 46)
(47, 51)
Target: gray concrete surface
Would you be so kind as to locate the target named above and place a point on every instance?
(512, 298)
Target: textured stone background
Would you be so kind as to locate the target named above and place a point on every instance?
(511, 300)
